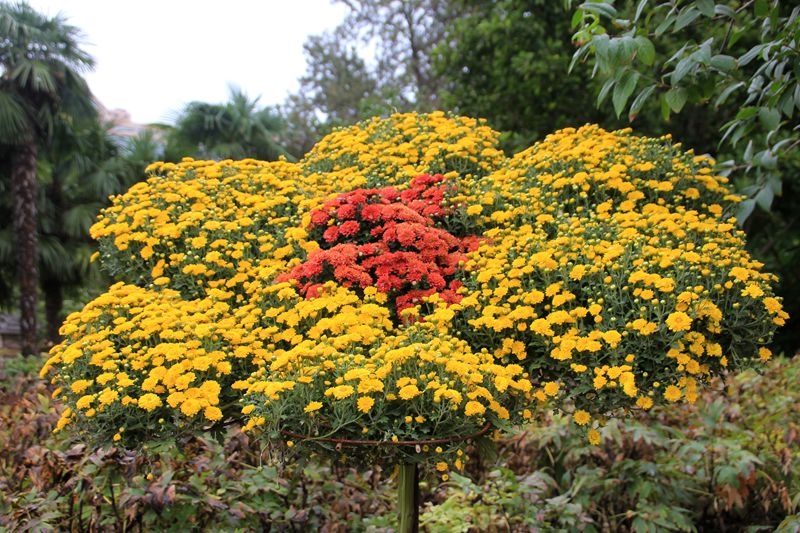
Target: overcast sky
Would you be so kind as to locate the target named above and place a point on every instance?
(153, 57)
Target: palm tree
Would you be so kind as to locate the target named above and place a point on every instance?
(40, 83)
(234, 130)
(84, 166)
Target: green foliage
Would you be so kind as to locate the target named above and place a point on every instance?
(343, 84)
(40, 86)
(41, 62)
(507, 61)
(234, 130)
(727, 464)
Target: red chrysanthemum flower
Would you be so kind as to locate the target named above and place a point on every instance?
(387, 239)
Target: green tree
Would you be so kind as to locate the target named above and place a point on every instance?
(507, 61)
(377, 61)
(77, 172)
(234, 130)
(338, 88)
(737, 62)
(40, 79)
(402, 36)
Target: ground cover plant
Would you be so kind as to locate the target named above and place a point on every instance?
(406, 291)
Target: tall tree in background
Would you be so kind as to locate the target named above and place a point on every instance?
(41, 64)
(402, 35)
(334, 91)
(337, 82)
(77, 172)
(377, 61)
(337, 89)
(233, 130)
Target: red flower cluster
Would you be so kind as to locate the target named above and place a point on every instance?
(359, 216)
(387, 239)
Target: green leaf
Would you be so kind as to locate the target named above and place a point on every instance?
(727, 92)
(774, 182)
(723, 62)
(602, 49)
(747, 155)
(686, 17)
(604, 90)
(676, 99)
(745, 210)
(746, 113)
(639, 9)
(640, 525)
(645, 51)
(639, 101)
(665, 111)
(770, 117)
(761, 8)
(764, 198)
(786, 104)
(683, 67)
(750, 54)
(605, 10)
(623, 90)
(577, 19)
(665, 24)
(14, 121)
(725, 11)
(706, 7)
(767, 159)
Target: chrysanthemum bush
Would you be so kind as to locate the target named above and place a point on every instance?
(406, 286)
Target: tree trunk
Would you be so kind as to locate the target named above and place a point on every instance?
(24, 189)
(53, 305)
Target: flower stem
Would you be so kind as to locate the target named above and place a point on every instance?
(408, 498)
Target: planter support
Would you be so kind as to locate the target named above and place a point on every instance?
(408, 498)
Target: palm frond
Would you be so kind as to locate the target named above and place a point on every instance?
(14, 118)
(54, 259)
(79, 218)
(36, 76)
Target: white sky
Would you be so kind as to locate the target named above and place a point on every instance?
(155, 56)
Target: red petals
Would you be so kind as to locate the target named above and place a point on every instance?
(387, 239)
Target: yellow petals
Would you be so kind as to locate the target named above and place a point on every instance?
(672, 393)
(312, 406)
(594, 267)
(365, 403)
(340, 392)
(581, 417)
(474, 408)
(409, 392)
(679, 321)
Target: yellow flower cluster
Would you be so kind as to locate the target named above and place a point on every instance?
(392, 151)
(607, 276)
(198, 226)
(609, 266)
(139, 355)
